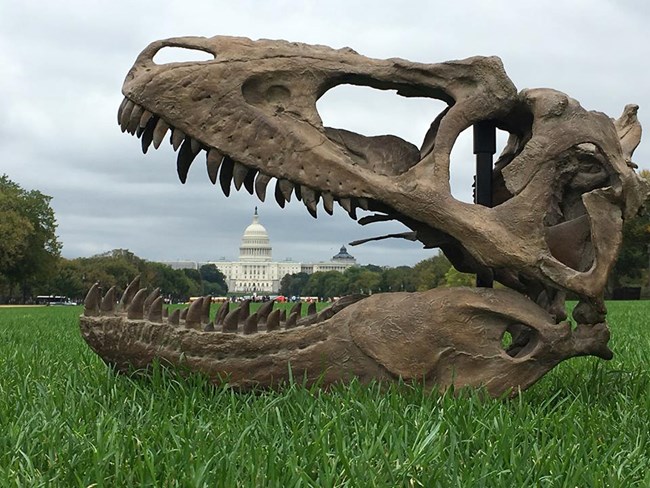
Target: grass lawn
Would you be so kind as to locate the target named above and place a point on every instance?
(66, 420)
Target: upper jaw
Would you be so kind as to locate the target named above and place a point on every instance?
(256, 103)
(253, 111)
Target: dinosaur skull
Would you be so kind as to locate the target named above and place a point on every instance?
(561, 188)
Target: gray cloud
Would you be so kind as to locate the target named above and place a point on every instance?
(63, 64)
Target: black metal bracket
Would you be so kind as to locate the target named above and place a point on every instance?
(485, 145)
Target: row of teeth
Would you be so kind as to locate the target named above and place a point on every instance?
(139, 304)
(151, 129)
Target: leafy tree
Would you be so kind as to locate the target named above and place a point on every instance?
(114, 268)
(29, 248)
(173, 284)
(334, 284)
(326, 284)
(363, 279)
(430, 273)
(118, 268)
(633, 257)
(194, 277)
(285, 284)
(293, 284)
(214, 281)
(67, 281)
(397, 279)
(453, 277)
(371, 267)
(15, 230)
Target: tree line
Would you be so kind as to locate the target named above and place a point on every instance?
(73, 278)
(119, 266)
(430, 273)
(31, 264)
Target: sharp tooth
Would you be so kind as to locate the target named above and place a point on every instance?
(346, 203)
(286, 187)
(205, 311)
(264, 311)
(310, 199)
(311, 308)
(297, 308)
(134, 119)
(291, 321)
(244, 310)
(175, 317)
(128, 294)
(156, 311)
(120, 110)
(91, 303)
(239, 173)
(144, 118)
(231, 321)
(213, 162)
(273, 321)
(225, 176)
(138, 132)
(196, 145)
(126, 115)
(279, 197)
(184, 313)
(249, 181)
(108, 302)
(221, 314)
(298, 194)
(250, 325)
(149, 300)
(193, 317)
(159, 132)
(261, 182)
(147, 134)
(136, 307)
(349, 207)
(363, 203)
(328, 202)
(178, 136)
(184, 160)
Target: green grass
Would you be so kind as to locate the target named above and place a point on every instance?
(66, 420)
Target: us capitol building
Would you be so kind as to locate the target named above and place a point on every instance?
(256, 272)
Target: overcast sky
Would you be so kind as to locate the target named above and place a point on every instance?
(62, 64)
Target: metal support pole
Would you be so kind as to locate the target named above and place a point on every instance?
(485, 145)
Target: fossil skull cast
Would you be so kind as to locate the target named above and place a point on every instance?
(561, 188)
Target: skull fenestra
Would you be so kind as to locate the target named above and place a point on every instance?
(561, 190)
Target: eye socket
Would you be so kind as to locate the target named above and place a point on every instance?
(172, 54)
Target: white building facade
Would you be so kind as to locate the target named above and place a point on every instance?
(256, 272)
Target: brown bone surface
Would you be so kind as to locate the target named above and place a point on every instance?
(562, 188)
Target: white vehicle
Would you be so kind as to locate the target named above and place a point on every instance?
(54, 300)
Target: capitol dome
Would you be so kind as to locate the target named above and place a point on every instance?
(255, 243)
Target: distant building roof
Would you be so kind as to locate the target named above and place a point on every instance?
(343, 255)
